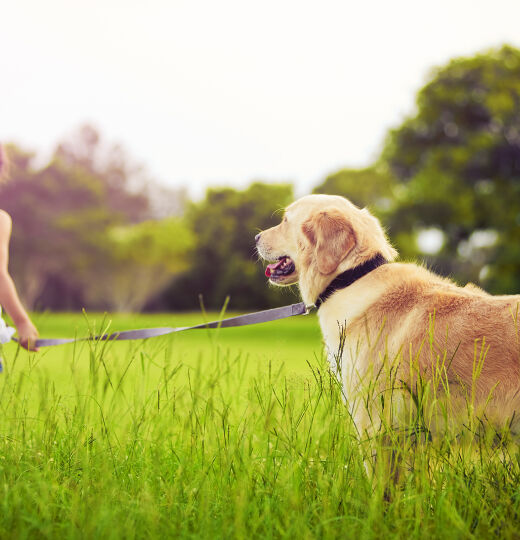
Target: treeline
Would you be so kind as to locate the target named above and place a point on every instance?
(87, 231)
(91, 230)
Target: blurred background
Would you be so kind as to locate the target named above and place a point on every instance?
(149, 142)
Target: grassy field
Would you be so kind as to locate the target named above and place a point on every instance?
(237, 433)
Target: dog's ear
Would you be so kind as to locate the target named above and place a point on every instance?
(332, 237)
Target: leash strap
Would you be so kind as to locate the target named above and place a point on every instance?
(145, 333)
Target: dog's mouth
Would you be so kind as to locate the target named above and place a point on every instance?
(282, 268)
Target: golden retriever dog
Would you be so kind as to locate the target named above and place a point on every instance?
(385, 320)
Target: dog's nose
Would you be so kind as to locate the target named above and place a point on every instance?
(257, 237)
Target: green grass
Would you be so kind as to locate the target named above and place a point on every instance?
(236, 433)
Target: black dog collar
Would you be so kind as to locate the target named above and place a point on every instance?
(350, 276)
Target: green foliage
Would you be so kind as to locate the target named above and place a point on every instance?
(224, 260)
(59, 219)
(75, 242)
(459, 161)
(153, 243)
(370, 187)
(144, 258)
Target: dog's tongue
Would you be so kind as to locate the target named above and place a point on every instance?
(272, 267)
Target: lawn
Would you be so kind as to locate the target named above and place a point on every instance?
(231, 433)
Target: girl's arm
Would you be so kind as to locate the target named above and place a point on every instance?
(27, 333)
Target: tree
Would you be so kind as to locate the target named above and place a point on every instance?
(59, 219)
(75, 244)
(123, 180)
(369, 187)
(145, 258)
(130, 192)
(224, 261)
(458, 159)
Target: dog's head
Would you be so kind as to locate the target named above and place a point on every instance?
(319, 237)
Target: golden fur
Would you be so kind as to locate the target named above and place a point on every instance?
(399, 317)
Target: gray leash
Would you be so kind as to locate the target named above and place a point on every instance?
(144, 333)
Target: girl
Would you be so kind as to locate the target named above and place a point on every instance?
(27, 333)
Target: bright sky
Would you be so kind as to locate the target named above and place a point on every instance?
(224, 92)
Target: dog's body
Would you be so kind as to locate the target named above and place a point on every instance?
(398, 318)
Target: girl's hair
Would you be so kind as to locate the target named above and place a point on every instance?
(4, 164)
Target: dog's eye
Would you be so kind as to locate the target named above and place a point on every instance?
(285, 219)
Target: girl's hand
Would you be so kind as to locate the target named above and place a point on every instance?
(27, 335)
